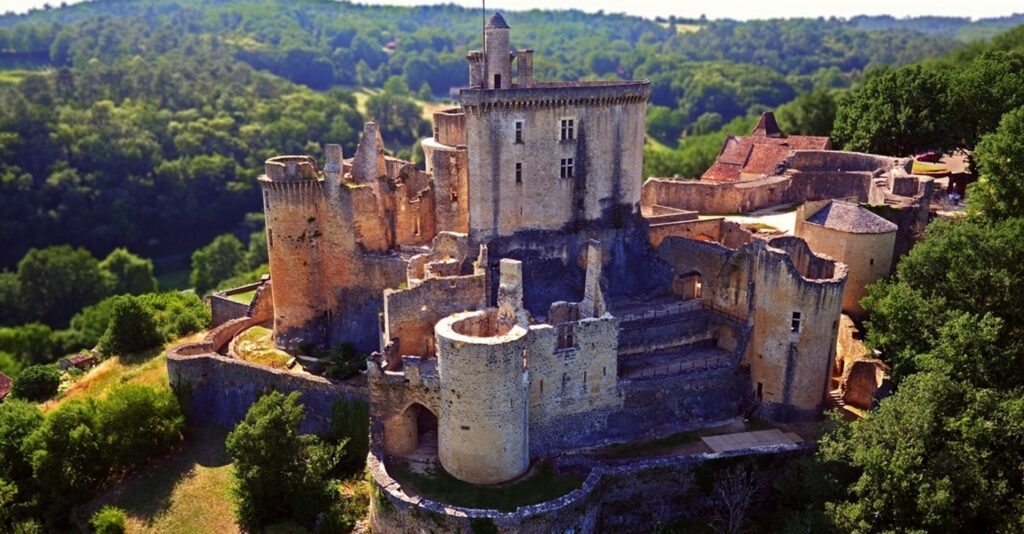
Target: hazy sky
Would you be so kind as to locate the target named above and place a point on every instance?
(715, 9)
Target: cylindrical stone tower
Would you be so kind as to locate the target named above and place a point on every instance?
(498, 54)
(483, 421)
(292, 202)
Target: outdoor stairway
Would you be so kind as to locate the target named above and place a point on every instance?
(750, 408)
(835, 399)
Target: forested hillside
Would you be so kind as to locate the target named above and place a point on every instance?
(143, 123)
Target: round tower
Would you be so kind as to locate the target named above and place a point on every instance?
(293, 203)
(498, 55)
(483, 420)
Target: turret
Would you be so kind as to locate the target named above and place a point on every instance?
(498, 61)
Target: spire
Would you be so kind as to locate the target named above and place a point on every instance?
(497, 22)
(767, 127)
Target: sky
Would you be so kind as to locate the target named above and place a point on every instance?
(743, 10)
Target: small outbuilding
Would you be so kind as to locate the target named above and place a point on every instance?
(82, 361)
(5, 386)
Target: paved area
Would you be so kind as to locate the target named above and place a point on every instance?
(746, 440)
(781, 218)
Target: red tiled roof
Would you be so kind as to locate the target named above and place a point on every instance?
(5, 385)
(81, 357)
(759, 154)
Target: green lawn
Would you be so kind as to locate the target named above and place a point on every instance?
(256, 345)
(540, 485)
(245, 297)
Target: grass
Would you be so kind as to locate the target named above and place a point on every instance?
(540, 485)
(186, 492)
(14, 76)
(256, 345)
(244, 297)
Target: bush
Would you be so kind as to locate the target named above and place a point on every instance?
(37, 383)
(288, 479)
(109, 520)
(138, 423)
(177, 313)
(132, 328)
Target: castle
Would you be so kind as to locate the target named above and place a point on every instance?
(526, 294)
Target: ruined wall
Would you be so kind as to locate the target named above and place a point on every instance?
(449, 166)
(483, 433)
(791, 363)
(867, 258)
(725, 274)
(606, 149)
(395, 398)
(412, 313)
(572, 379)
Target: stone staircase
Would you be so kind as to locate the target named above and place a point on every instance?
(749, 408)
(835, 399)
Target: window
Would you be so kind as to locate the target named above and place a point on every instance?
(872, 262)
(497, 81)
(519, 132)
(568, 129)
(464, 427)
(453, 194)
(567, 168)
(270, 238)
(794, 324)
(519, 173)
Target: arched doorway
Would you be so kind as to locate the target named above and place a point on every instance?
(412, 433)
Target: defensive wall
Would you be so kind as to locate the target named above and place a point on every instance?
(615, 496)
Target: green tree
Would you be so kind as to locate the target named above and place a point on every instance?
(37, 383)
(1000, 158)
(898, 112)
(218, 261)
(131, 274)
(68, 460)
(811, 113)
(18, 420)
(30, 343)
(132, 328)
(10, 299)
(137, 423)
(56, 282)
(286, 480)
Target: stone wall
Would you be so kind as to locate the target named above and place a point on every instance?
(625, 496)
(219, 390)
(412, 313)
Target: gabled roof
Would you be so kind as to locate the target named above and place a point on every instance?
(497, 22)
(759, 154)
(851, 218)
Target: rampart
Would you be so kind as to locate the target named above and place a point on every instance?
(615, 496)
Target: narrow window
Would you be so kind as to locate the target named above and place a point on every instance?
(872, 262)
(760, 390)
(567, 168)
(604, 371)
(497, 81)
(519, 131)
(794, 324)
(519, 173)
(270, 238)
(584, 378)
(541, 387)
(453, 195)
(568, 129)
(464, 427)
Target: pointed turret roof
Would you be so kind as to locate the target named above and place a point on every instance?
(767, 126)
(497, 22)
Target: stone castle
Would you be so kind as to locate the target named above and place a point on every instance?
(526, 294)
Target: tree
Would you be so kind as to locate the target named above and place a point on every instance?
(811, 113)
(68, 460)
(899, 112)
(56, 282)
(10, 299)
(18, 420)
(30, 343)
(132, 328)
(286, 480)
(131, 274)
(1000, 158)
(223, 258)
(137, 423)
(37, 383)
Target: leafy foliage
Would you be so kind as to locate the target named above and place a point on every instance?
(220, 260)
(37, 383)
(109, 520)
(1000, 158)
(289, 479)
(132, 328)
(130, 274)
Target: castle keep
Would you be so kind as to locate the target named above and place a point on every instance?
(523, 296)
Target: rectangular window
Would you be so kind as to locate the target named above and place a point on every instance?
(794, 324)
(270, 238)
(568, 129)
(497, 81)
(567, 168)
(519, 131)
(519, 173)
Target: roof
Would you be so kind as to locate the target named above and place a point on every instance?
(496, 22)
(851, 218)
(80, 358)
(5, 385)
(759, 155)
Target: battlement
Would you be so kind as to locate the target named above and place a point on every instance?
(291, 168)
(558, 94)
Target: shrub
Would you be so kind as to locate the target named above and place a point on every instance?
(278, 472)
(109, 520)
(139, 422)
(37, 383)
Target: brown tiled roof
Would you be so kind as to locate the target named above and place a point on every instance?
(851, 218)
(760, 153)
(5, 385)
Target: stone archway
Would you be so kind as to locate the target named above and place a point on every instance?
(412, 431)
